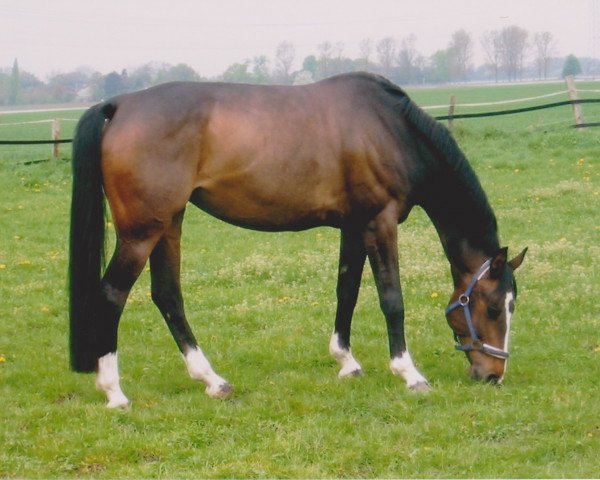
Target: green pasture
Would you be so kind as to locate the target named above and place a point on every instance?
(262, 306)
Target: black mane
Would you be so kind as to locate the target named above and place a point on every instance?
(452, 195)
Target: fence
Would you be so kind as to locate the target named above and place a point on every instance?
(55, 132)
(571, 91)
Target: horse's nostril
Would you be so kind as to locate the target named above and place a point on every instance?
(493, 379)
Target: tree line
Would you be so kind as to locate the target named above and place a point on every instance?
(511, 54)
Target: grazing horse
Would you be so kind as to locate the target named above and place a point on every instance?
(351, 152)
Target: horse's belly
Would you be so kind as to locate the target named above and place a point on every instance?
(270, 207)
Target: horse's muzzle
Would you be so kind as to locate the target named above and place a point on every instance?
(493, 378)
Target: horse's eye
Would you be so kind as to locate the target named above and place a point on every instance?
(493, 312)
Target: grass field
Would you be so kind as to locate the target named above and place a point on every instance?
(262, 306)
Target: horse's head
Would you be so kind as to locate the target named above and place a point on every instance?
(480, 312)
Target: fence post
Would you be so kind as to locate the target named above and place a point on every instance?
(55, 136)
(451, 112)
(577, 111)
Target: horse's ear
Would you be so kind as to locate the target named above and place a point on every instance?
(518, 260)
(498, 263)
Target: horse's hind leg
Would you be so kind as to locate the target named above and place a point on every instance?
(166, 293)
(352, 261)
(122, 272)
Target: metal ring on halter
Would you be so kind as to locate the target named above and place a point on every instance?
(464, 300)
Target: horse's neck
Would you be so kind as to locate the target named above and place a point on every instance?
(462, 217)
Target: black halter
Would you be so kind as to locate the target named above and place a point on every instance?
(463, 301)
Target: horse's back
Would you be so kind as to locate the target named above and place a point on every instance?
(267, 157)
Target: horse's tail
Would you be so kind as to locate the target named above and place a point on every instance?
(86, 254)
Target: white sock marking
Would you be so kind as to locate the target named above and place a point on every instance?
(107, 380)
(344, 357)
(405, 367)
(199, 369)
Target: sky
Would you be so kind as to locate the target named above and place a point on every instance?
(58, 36)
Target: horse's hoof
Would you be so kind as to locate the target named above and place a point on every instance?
(221, 391)
(348, 373)
(120, 404)
(420, 387)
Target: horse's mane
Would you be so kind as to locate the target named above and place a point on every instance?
(447, 151)
(442, 141)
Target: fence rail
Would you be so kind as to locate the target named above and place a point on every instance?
(499, 102)
(35, 142)
(517, 110)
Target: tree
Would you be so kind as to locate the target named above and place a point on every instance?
(339, 63)
(181, 72)
(408, 58)
(310, 64)
(143, 76)
(513, 45)
(571, 66)
(114, 84)
(461, 51)
(441, 67)
(64, 87)
(284, 59)
(260, 69)
(544, 49)
(15, 83)
(492, 46)
(324, 61)
(386, 53)
(238, 73)
(365, 49)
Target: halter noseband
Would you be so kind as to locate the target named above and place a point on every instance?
(463, 301)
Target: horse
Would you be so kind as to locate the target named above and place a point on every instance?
(352, 152)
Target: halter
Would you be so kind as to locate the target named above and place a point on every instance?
(463, 301)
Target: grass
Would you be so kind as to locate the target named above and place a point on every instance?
(262, 306)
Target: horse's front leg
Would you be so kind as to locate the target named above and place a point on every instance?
(382, 249)
(352, 261)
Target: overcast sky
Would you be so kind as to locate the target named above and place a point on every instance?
(54, 36)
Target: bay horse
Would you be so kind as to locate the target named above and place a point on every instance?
(351, 152)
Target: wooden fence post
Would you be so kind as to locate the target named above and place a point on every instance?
(451, 112)
(55, 136)
(577, 111)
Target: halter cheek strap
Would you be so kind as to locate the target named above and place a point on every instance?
(463, 301)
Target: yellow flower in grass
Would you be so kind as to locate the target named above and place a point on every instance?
(435, 294)
(2, 358)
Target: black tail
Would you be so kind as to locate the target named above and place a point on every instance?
(86, 256)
